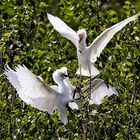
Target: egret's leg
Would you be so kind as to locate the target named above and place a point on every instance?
(90, 76)
(80, 73)
(80, 78)
(80, 81)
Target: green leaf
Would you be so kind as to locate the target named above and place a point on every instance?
(128, 63)
(6, 34)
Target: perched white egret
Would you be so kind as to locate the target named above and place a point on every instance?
(33, 90)
(87, 56)
(99, 89)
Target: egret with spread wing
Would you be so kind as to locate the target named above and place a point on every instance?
(87, 56)
(33, 90)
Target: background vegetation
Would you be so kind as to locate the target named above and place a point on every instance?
(28, 38)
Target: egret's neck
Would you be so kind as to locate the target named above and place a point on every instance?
(68, 84)
(82, 44)
(62, 88)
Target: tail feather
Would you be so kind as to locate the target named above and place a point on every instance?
(85, 71)
(63, 116)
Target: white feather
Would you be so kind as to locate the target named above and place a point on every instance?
(32, 90)
(85, 71)
(63, 29)
(102, 40)
(87, 56)
(100, 90)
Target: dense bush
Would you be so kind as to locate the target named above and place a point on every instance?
(28, 38)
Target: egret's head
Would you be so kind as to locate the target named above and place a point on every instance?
(82, 35)
(60, 74)
(64, 70)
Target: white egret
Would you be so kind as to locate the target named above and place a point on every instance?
(33, 90)
(87, 56)
(99, 90)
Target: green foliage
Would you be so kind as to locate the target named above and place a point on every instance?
(28, 38)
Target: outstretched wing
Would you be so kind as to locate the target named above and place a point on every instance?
(101, 41)
(63, 29)
(32, 90)
(100, 90)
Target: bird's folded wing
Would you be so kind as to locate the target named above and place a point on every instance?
(63, 29)
(102, 90)
(95, 83)
(101, 41)
(32, 90)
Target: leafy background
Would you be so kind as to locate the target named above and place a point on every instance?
(28, 38)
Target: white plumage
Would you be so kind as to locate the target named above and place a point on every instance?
(74, 95)
(87, 56)
(32, 90)
(100, 90)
